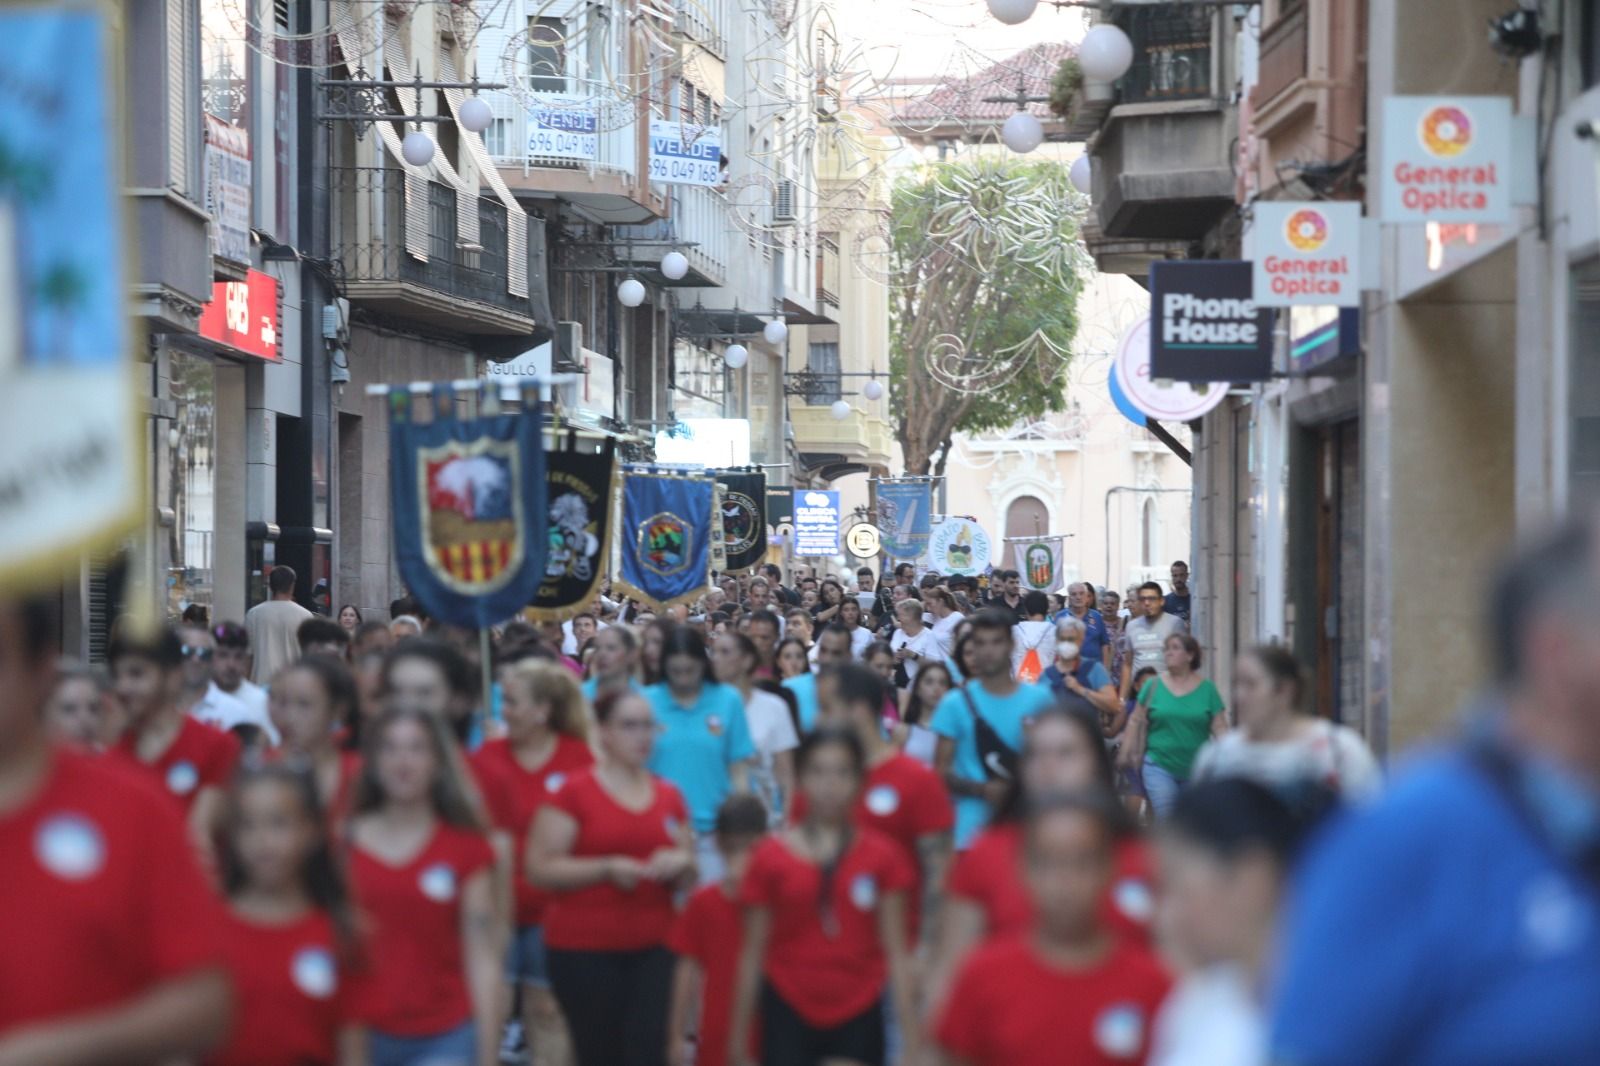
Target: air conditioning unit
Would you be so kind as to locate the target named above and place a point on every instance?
(783, 202)
(566, 355)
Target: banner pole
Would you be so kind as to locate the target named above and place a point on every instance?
(488, 680)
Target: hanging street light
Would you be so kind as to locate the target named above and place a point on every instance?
(736, 356)
(840, 410)
(1106, 53)
(776, 332)
(1012, 12)
(417, 148)
(674, 265)
(631, 292)
(1022, 133)
(1081, 174)
(475, 114)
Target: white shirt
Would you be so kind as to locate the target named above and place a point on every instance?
(1210, 1019)
(922, 744)
(218, 708)
(1326, 753)
(924, 644)
(944, 631)
(771, 731)
(274, 628)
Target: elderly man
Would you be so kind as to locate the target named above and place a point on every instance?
(1096, 638)
(1081, 675)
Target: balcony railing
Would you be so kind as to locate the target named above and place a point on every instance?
(698, 220)
(1172, 43)
(373, 243)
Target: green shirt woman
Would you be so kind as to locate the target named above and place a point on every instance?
(1178, 711)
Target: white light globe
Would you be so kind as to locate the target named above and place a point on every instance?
(776, 331)
(631, 293)
(417, 148)
(1105, 54)
(1012, 12)
(1081, 174)
(840, 410)
(674, 265)
(873, 389)
(475, 114)
(1022, 133)
(736, 356)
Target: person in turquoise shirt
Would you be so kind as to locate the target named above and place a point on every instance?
(1004, 703)
(615, 661)
(833, 646)
(703, 740)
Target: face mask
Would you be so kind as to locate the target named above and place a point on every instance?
(1067, 649)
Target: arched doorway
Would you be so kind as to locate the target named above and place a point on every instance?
(1027, 516)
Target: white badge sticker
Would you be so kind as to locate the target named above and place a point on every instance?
(864, 892)
(438, 883)
(70, 846)
(553, 783)
(1554, 919)
(1134, 899)
(182, 777)
(1119, 1031)
(883, 800)
(314, 973)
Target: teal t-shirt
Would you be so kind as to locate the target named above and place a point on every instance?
(1006, 714)
(697, 746)
(804, 688)
(1179, 725)
(591, 688)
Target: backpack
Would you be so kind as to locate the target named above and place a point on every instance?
(1032, 666)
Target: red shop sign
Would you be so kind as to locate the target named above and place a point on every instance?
(244, 315)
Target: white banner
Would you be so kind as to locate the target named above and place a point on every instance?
(228, 190)
(563, 126)
(685, 154)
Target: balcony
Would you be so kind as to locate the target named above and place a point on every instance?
(395, 239)
(696, 224)
(1283, 56)
(1164, 153)
(832, 447)
(705, 22)
(583, 146)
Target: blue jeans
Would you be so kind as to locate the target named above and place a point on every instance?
(455, 1047)
(1160, 788)
(526, 962)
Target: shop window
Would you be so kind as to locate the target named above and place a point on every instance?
(190, 447)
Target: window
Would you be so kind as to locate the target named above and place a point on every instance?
(497, 138)
(823, 361)
(547, 55)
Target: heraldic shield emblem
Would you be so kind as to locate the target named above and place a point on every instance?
(666, 520)
(469, 512)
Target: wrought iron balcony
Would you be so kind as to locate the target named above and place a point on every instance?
(1173, 46)
(406, 247)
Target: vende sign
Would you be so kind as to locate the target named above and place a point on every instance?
(244, 315)
(1307, 254)
(1204, 323)
(1446, 159)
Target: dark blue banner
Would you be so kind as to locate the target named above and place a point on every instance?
(666, 536)
(469, 511)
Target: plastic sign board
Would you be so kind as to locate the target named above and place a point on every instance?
(685, 154)
(959, 546)
(563, 126)
(816, 522)
(227, 165)
(1307, 254)
(1446, 159)
(1162, 399)
(1204, 323)
(244, 315)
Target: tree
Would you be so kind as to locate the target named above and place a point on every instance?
(986, 268)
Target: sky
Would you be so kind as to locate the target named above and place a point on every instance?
(922, 38)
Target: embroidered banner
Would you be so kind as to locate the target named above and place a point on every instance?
(666, 536)
(1039, 562)
(744, 518)
(581, 486)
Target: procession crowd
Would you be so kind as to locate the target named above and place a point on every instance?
(927, 819)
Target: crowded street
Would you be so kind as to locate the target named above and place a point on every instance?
(800, 533)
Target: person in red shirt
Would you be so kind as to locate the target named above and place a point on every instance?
(422, 869)
(612, 847)
(900, 798)
(706, 939)
(547, 739)
(1069, 989)
(986, 897)
(290, 936)
(112, 952)
(307, 701)
(190, 760)
(825, 926)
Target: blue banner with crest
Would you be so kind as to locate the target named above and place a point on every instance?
(469, 509)
(905, 517)
(666, 535)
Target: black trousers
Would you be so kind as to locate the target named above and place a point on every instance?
(615, 1003)
(789, 1040)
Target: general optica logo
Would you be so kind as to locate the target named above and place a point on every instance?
(1306, 230)
(1445, 131)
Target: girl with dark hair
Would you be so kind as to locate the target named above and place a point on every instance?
(1063, 753)
(615, 663)
(830, 595)
(825, 926)
(611, 848)
(652, 642)
(1177, 712)
(705, 739)
(851, 617)
(290, 938)
(917, 704)
(1227, 848)
(422, 867)
(772, 728)
(1276, 742)
(307, 701)
(794, 658)
(430, 676)
(349, 617)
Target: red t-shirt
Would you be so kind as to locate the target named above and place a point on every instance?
(412, 923)
(603, 917)
(827, 975)
(710, 931)
(100, 891)
(989, 873)
(292, 993)
(522, 792)
(200, 756)
(1008, 1007)
(905, 801)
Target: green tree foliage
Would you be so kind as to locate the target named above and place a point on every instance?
(986, 267)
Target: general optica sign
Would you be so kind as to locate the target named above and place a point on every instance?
(1307, 254)
(1446, 159)
(682, 154)
(1204, 323)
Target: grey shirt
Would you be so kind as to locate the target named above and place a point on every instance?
(1143, 639)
